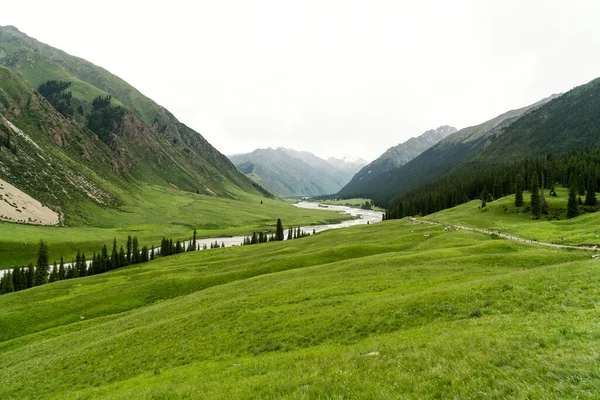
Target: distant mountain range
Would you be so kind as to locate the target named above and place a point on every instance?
(292, 173)
(393, 158)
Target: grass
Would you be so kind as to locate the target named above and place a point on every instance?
(152, 213)
(389, 310)
(501, 215)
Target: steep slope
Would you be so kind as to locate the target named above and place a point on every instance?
(394, 157)
(443, 156)
(50, 157)
(567, 122)
(147, 139)
(281, 172)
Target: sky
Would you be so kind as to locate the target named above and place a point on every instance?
(330, 77)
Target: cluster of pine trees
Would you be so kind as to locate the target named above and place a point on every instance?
(105, 118)
(53, 91)
(578, 169)
(20, 278)
(367, 205)
(278, 235)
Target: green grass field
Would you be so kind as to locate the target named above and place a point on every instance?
(155, 212)
(501, 215)
(390, 310)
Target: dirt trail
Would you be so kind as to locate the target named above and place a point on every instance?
(508, 237)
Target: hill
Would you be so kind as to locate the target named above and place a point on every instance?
(147, 142)
(393, 158)
(394, 310)
(293, 173)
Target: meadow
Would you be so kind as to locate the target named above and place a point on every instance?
(501, 215)
(151, 213)
(390, 310)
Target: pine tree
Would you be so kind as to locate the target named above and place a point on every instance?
(290, 234)
(18, 278)
(152, 253)
(29, 274)
(61, 269)
(122, 257)
(279, 231)
(53, 273)
(129, 244)
(195, 247)
(114, 256)
(145, 257)
(83, 266)
(41, 271)
(135, 257)
(484, 197)
(518, 191)
(590, 196)
(572, 210)
(536, 211)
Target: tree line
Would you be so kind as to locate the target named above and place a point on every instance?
(577, 169)
(278, 235)
(20, 278)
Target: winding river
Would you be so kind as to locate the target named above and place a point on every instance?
(362, 217)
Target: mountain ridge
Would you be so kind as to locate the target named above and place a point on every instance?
(293, 173)
(394, 157)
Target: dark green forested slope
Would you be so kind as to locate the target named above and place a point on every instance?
(441, 157)
(552, 142)
(147, 139)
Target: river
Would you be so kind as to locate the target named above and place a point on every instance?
(362, 217)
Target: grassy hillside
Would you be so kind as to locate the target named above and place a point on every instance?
(501, 215)
(391, 310)
(146, 139)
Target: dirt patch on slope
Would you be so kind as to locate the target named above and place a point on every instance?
(18, 206)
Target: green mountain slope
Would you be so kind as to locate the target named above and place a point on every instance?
(148, 140)
(293, 173)
(443, 156)
(567, 122)
(393, 158)
(390, 310)
(52, 158)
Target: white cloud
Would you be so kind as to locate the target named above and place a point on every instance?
(332, 77)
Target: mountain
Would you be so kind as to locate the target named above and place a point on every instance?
(553, 141)
(393, 158)
(95, 127)
(293, 173)
(348, 163)
(443, 156)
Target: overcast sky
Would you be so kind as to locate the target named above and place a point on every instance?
(330, 77)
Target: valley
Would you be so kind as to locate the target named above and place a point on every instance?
(460, 263)
(325, 312)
